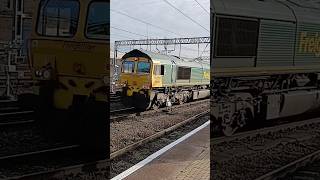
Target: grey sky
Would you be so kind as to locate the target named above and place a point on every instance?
(159, 13)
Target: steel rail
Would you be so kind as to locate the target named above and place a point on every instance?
(291, 167)
(15, 113)
(264, 131)
(21, 155)
(16, 123)
(148, 112)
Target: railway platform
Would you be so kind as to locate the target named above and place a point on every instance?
(189, 159)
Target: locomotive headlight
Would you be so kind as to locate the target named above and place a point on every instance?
(38, 73)
(124, 84)
(47, 74)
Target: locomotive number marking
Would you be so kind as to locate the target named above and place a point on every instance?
(78, 46)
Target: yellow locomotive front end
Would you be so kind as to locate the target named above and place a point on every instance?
(69, 56)
(69, 50)
(136, 80)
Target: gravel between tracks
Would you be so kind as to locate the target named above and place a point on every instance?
(133, 129)
(252, 157)
(127, 160)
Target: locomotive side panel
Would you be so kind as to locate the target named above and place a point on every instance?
(196, 75)
(276, 43)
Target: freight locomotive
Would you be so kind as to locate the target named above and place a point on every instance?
(151, 80)
(69, 61)
(265, 61)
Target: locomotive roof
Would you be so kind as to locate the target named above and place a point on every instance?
(283, 10)
(166, 59)
(306, 10)
(268, 9)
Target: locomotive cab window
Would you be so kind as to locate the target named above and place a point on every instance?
(184, 73)
(58, 18)
(236, 37)
(143, 67)
(158, 70)
(97, 23)
(128, 67)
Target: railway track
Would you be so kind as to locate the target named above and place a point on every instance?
(118, 115)
(91, 170)
(11, 114)
(35, 162)
(8, 103)
(267, 153)
(155, 136)
(115, 97)
(43, 152)
(307, 167)
(122, 113)
(125, 157)
(99, 169)
(264, 131)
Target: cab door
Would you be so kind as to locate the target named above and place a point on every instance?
(158, 73)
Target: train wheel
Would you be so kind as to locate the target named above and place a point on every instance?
(181, 101)
(229, 130)
(155, 106)
(215, 127)
(141, 102)
(126, 101)
(238, 120)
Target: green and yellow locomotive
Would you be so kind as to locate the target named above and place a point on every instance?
(152, 80)
(265, 61)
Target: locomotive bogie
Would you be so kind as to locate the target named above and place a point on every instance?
(239, 101)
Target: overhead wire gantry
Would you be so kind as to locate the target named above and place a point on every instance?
(156, 42)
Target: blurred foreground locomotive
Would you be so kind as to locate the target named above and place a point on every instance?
(69, 60)
(265, 60)
(152, 80)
